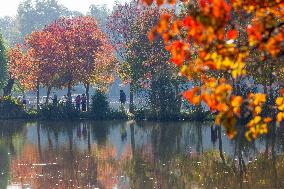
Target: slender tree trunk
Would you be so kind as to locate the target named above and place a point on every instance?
(48, 94)
(37, 96)
(131, 99)
(88, 95)
(69, 93)
(8, 88)
(178, 98)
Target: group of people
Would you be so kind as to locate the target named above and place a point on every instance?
(81, 100)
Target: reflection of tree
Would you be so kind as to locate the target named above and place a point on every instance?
(166, 138)
(153, 156)
(208, 169)
(100, 131)
(220, 144)
(132, 133)
(52, 128)
(199, 146)
(71, 167)
(39, 141)
(8, 131)
(4, 166)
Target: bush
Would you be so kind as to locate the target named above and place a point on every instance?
(32, 113)
(197, 115)
(60, 111)
(120, 114)
(100, 106)
(148, 114)
(10, 108)
(140, 114)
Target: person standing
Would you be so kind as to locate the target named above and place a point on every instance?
(78, 102)
(54, 99)
(24, 102)
(64, 99)
(84, 103)
(122, 98)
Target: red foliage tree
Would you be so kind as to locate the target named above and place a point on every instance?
(66, 52)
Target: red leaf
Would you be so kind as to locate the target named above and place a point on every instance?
(232, 34)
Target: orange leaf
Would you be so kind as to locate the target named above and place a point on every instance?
(171, 2)
(267, 119)
(151, 35)
(190, 95)
(232, 34)
(148, 2)
(160, 2)
(282, 91)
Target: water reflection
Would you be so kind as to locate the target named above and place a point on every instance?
(135, 155)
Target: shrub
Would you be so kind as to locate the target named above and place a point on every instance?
(100, 106)
(60, 111)
(32, 113)
(120, 114)
(10, 108)
(140, 114)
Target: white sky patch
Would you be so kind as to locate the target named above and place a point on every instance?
(9, 7)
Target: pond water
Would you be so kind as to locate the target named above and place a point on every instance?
(142, 155)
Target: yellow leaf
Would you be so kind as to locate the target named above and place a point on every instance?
(258, 109)
(279, 117)
(279, 101)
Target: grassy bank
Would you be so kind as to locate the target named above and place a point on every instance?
(10, 108)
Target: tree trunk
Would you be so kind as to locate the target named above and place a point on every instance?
(88, 95)
(178, 98)
(131, 99)
(37, 96)
(69, 93)
(8, 88)
(47, 95)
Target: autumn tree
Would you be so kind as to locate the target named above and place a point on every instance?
(65, 53)
(83, 52)
(94, 53)
(42, 44)
(149, 69)
(31, 15)
(207, 40)
(119, 26)
(22, 68)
